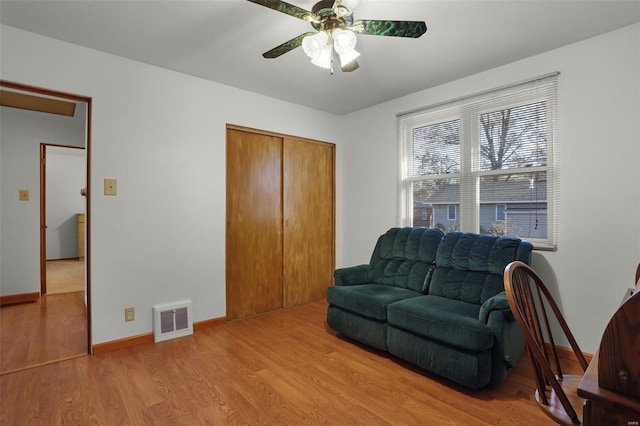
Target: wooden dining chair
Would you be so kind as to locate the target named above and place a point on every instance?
(530, 301)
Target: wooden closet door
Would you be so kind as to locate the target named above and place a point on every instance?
(254, 224)
(309, 240)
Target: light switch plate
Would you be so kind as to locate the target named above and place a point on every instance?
(110, 187)
(24, 195)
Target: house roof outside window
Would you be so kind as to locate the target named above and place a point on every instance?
(513, 192)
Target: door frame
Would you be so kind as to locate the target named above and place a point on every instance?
(88, 101)
(43, 211)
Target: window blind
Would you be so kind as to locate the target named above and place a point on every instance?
(463, 160)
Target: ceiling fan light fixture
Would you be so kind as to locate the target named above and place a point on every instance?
(318, 49)
(313, 44)
(325, 57)
(344, 8)
(347, 58)
(350, 4)
(336, 31)
(344, 41)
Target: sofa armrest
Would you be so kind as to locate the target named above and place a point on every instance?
(509, 343)
(354, 275)
(498, 302)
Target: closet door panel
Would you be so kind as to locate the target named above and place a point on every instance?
(254, 224)
(309, 241)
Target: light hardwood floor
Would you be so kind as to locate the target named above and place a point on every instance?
(65, 276)
(50, 329)
(281, 368)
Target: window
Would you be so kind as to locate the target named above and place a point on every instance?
(471, 158)
(451, 212)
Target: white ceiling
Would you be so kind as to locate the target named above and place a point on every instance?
(223, 40)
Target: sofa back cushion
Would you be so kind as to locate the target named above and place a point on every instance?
(404, 256)
(470, 267)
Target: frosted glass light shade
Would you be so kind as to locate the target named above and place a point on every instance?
(347, 58)
(320, 46)
(350, 4)
(313, 45)
(318, 49)
(323, 60)
(344, 41)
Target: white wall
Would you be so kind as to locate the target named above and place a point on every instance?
(161, 134)
(66, 171)
(599, 238)
(21, 133)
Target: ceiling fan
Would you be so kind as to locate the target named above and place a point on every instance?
(336, 31)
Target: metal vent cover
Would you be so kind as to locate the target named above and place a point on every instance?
(172, 320)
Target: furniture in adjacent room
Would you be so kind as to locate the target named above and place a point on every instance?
(280, 221)
(80, 222)
(530, 302)
(436, 300)
(611, 384)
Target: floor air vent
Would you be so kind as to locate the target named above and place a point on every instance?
(172, 320)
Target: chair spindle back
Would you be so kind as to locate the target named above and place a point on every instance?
(532, 304)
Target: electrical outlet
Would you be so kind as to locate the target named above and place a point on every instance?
(129, 314)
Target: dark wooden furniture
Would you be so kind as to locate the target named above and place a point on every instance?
(556, 393)
(611, 384)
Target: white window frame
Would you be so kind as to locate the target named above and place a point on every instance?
(503, 209)
(468, 111)
(455, 212)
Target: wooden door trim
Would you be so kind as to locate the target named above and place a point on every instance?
(42, 91)
(43, 219)
(88, 101)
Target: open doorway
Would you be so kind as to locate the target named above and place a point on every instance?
(62, 194)
(41, 325)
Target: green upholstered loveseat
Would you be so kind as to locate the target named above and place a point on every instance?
(436, 300)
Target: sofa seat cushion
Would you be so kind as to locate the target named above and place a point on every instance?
(469, 368)
(370, 300)
(453, 322)
(365, 330)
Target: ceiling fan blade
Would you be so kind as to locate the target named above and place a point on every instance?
(287, 8)
(390, 28)
(351, 66)
(286, 46)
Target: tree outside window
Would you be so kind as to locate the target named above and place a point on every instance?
(485, 158)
